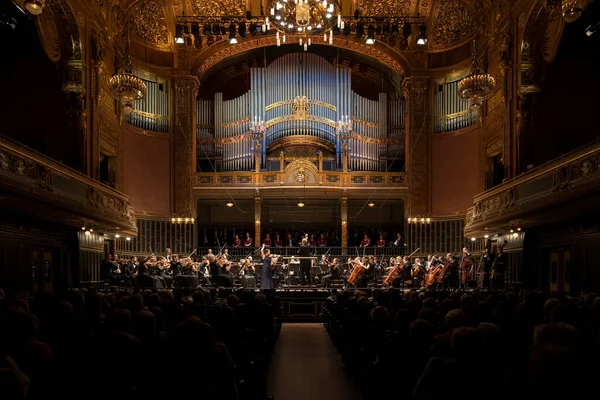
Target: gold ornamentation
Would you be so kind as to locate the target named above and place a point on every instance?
(343, 43)
(235, 123)
(310, 102)
(292, 117)
(454, 24)
(300, 109)
(230, 8)
(365, 123)
(299, 176)
(367, 139)
(384, 8)
(148, 22)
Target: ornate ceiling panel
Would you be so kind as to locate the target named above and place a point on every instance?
(454, 24)
(219, 7)
(148, 22)
(384, 7)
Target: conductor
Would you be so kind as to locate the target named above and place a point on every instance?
(304, 262)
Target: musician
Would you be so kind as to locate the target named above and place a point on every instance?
(248, 240)
(499, 268)
(266, 279)
(367, 275)
(451, 278)
(322, 240)
(334, 273)
(267, 241)
(313, 241)
(219, 272)
(305, 263)
(168, 256)
(278, 241)
(237, 242)
(164, 271)
(418, 273)
(485, 266)
(175, 266)
(248, 273)
(365, 241)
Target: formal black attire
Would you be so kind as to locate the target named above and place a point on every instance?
(220, 277)
(499, 267)
(334, 273)
(305, 264)
(366, 277)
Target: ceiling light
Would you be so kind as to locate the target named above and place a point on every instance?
(371, 204)
(512, 230)
(128, 238)
(370, 35)
(229, 204)
(179, 34)
(91, 229)
(232, 38)
(301, 204)
(83, 228)
(486, 236)
(117, 236)
(87, 233)
(422, 40)
(515, 234)
(519, 229)
(35, 7)
(572, 9)
(473, 239)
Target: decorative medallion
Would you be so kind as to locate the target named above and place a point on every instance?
(454, 24)
(301, 108)
(231, 8)
(300, 175)
(148, 22)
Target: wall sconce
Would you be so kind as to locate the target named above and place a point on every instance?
(416, 220)
(179, 220)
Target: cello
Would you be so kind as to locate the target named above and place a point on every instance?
(396, 270)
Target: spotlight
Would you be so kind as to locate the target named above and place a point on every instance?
(35, 7)
(301, 204)
(179, 34)
(422, 35)
(473, 239)
(232, 38)
(128, 238)
(371, 204)
(370, 35)
(229, 204)
(117, 236)
(592, 29)
(486, 236)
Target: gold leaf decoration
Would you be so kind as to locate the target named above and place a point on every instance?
(454, 24)
(148, 22)
(384, 7)
(219, 8)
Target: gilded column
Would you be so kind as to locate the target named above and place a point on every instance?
(345, 157)
(344, 218)
(417, 128)
(184, 144)
(257, 214)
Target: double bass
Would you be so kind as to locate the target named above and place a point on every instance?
(465, 266)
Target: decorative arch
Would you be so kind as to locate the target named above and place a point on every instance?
(453, 23)
(380, 52)
(298, 167)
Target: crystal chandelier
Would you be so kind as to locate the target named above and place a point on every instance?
(572, 9)
(304, 17)
(126, 87)
(478, 86)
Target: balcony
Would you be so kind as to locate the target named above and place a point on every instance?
(40, 187)
(554, 191)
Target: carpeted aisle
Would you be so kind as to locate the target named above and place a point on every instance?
(306, 366)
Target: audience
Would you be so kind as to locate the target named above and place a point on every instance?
(125, 345)
(434, 345)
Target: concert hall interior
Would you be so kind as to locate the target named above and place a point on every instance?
(231, 180)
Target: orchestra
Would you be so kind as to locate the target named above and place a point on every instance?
(453, 270)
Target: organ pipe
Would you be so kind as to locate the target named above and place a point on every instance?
(276, 86)
(151, 113)
(452, 112)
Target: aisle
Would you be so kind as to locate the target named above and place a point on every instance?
(306, 366)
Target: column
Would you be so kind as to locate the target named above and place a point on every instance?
(257, 215)
(418, 128)
(257, 156)
(184, 144)
(345, 157)
(344, 218)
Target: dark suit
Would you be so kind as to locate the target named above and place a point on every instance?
(305, 265)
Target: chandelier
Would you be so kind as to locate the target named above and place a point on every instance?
(35, 7)
(258, 130)
(572, 9)
(125, 86)
(477, 86)
(343, 129)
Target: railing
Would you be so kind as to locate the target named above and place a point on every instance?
(562, 180)
(47, 181)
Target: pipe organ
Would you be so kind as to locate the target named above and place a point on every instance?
(452, 112)
(152, 112)
(396, 132)
(300, 97)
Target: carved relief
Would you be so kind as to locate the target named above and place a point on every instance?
(387, 8)
(148, 22)
(24, 169)
(454, 24)
(108, 203)
(221, 8)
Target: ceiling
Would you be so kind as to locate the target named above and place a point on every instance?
(450, 24)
